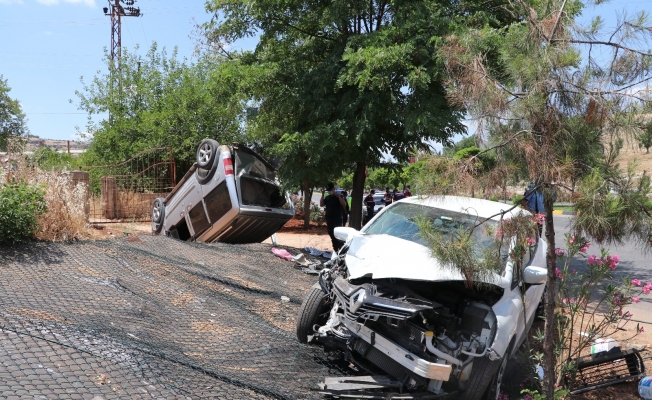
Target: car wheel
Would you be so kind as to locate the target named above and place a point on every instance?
(206, 153)
(314, 311)
(486, 378)
(158, 215)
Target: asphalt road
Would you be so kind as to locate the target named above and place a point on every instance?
(634, 263)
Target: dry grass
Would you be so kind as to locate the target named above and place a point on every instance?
(65, 218)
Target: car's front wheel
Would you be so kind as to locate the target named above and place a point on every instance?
(486, 379)
(314, 311)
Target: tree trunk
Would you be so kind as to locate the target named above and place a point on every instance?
(551, 292)
(359, 177)
(307, 194)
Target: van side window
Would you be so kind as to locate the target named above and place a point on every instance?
(218, 202)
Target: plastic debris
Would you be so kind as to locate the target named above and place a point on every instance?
(645, 387)
(285, 299)
(282, 253)
(601, 345)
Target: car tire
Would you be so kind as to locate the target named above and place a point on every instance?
(314, 311)
(158, 215)
(486, 378)
(206, 154)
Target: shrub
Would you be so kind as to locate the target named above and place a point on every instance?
(20, 207)
(518, 199)
(317, 214)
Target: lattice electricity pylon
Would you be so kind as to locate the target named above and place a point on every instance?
(117, 12)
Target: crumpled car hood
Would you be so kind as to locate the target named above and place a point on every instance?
(385, 256)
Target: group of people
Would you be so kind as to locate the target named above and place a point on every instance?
(389, 197)
(338, 207)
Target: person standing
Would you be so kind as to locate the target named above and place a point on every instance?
(371, 204)
(347, 211)
(407, 192)
(387, 198)
(534, 198)
(334, 207)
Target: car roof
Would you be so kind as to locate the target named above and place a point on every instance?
(468, 205)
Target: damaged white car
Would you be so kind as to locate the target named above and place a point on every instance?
(414, 328)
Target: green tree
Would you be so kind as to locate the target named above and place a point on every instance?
(469, 141)
(554, 97)
(345, 82)
(159, 101)
(645, 137)
(12, 119)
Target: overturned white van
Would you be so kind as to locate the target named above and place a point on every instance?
(231, 194)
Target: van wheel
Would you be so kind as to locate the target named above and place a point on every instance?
(158, 215)
(206, 154)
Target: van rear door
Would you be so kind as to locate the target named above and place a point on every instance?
(258, 189)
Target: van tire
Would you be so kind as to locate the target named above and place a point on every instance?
(207, 153)
(204, 176)
(158, 215)
(315, 304)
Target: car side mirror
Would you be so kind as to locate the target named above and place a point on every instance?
(535, 275)
(344, 232)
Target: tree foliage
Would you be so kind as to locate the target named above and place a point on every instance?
(340, 84)
(159, 101)
(645, 137)
(12, 119)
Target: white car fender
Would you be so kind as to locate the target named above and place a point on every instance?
(509, 313)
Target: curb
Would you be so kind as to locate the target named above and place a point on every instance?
(563, 212)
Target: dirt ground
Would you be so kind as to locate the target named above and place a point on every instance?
(293, 234)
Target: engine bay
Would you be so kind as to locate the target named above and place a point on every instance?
(425, 335)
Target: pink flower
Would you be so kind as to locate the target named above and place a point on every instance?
(530, 241)
(557, 272)
(635, 299)
(646, 289)
(593, 260)
(527, 397)
(636, 282)
(565, 300)
(628, 315)
(572, 239)
(559, 252)
(615, 259)
(584, 249)
(641, 330)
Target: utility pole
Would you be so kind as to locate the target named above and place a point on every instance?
(117, 11)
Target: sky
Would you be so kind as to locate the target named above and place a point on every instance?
(47, 45)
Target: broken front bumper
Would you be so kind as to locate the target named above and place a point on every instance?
(419, 366)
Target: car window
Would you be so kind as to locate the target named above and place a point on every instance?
(218, 202)
(249, 164)
(400, 221)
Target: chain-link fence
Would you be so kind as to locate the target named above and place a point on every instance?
(152, 317)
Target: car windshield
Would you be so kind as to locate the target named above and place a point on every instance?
(400, 221)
